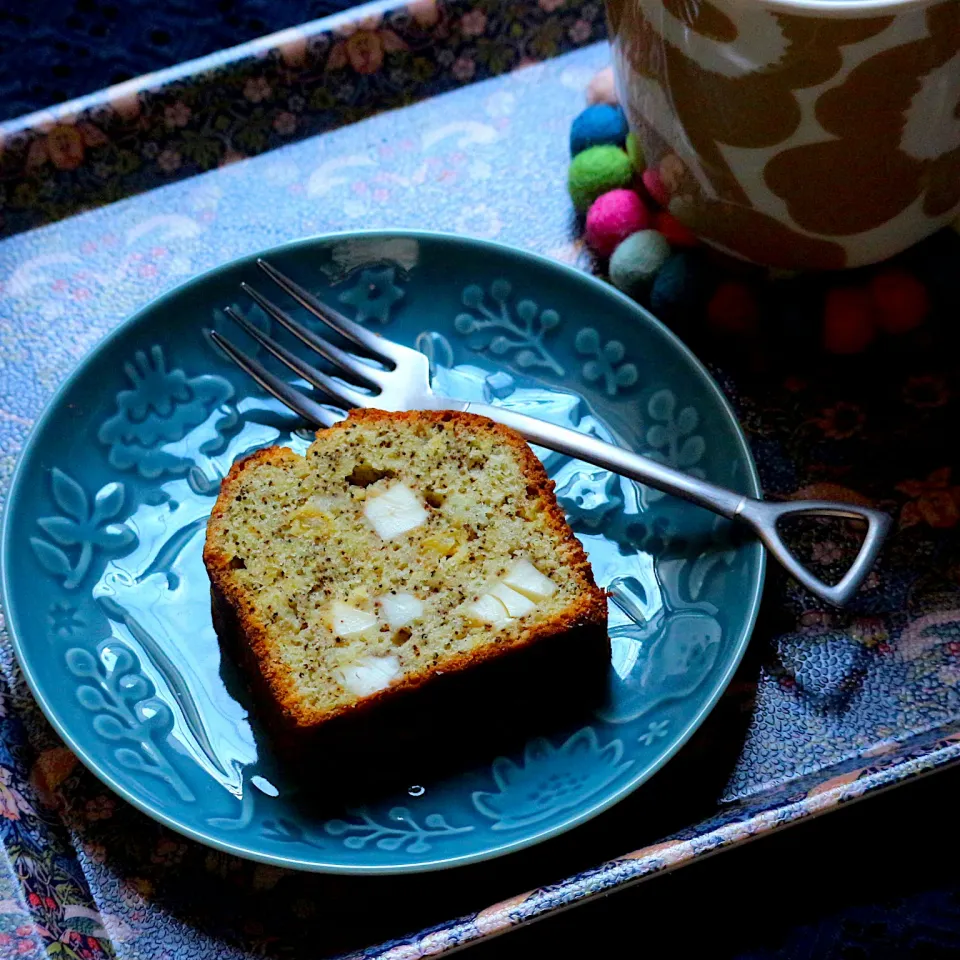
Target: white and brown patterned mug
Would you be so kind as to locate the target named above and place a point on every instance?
(815, 134)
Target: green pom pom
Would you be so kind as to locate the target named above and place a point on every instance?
(635, 153)
(596, 171)
(636, 261)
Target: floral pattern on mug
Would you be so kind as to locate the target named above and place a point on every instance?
(885, 133)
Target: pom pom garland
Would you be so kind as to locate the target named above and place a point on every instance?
(900, 301)
(676, 234)
(636, 261)
(599, 125)
(635, 152)
(612, 218)
(653, 255)
(655, 187)
(602, 88)
(848, 322)
(679, 287)
(596, 171)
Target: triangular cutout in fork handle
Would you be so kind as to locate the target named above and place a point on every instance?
(763, 516)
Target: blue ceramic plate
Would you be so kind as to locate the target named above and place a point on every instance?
(107, 599)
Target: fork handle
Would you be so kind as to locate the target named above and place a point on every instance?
(761, 516)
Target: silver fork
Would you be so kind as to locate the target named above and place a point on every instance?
(400, 380)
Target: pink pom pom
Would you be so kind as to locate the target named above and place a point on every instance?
(612, 218)
(655, 187)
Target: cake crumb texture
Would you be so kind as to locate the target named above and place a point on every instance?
(402, 546)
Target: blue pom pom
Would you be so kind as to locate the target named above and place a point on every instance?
(599, 125)
(679, 287)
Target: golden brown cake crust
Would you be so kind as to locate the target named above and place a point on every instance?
(588, 612)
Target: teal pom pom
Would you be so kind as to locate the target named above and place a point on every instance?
(598, 125)
(596, 171)
(636, 261)
(680, 286)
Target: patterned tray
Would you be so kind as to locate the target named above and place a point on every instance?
(826, 708)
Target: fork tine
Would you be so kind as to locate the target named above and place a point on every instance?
(339, 358)
(341, 393)
(377, 346)
(289, 396)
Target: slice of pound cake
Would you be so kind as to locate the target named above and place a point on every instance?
(402, 547)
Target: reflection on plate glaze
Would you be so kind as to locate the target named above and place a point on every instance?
(248, 805)
(157, 601)
(587, 493)
(402, 832)
(157, 417)
(125, 708)
(161, 660)
(347, 255)
(664, 643)
(653, 536)
(661, 660)
(242, 819)
(681, 656)
(165, 557)
(550, 779)
(718, 555)
(436, 348)
(80, 525)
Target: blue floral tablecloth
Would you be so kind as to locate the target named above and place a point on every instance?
(828, 706)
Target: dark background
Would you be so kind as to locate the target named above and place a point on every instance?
(875, 880)
(55, 50)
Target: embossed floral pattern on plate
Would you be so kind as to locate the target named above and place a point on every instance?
(159, 711)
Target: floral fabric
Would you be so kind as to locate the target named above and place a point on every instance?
(255, 98)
